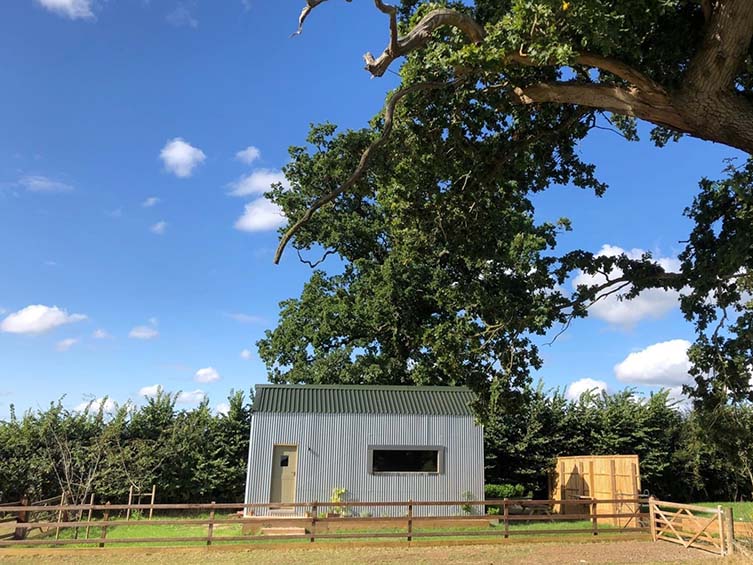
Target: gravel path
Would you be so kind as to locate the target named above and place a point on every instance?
(543, 554)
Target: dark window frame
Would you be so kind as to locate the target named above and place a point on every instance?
(438, 448)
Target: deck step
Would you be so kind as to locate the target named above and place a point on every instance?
(283, 531)
(286, 512)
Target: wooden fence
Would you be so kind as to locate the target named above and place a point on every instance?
(701, 527)
(313, 526)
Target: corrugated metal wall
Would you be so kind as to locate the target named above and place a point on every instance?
(333, 451)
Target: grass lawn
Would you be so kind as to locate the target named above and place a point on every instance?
(740, 510)
(142, 528)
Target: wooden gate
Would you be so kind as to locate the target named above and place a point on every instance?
(700, 527)
(612, 477)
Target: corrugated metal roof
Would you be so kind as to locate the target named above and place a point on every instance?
(364, 399)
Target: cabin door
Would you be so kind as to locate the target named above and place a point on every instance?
(284, 465)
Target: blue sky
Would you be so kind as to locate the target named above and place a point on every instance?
(120, 128)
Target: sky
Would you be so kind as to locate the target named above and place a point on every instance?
(136, 139)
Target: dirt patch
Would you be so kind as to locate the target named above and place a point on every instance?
(539, 554)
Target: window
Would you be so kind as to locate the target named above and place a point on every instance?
(405, 459)
(284, 461)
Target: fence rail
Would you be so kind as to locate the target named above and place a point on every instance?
(102, 518)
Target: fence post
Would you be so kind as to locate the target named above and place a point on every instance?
(730, 531)
(22, 518)
(314, 511)
(652, 516)
(105, 519)
(594, 517)
(410, 520)
(210, 527)
(130, 501)
(720, 521)
(60, 514)
(151, 502)
(89, 515)
(506, 517)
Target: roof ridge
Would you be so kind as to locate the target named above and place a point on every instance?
(363, 399)
(442, 388)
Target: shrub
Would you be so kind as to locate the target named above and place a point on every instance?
(498, 492)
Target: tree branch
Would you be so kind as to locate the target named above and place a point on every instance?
(725, 45)
(608, 64)
(389, 112)
(420, 35)
(315, 264)
(708, 8)
(310, 5)
(391, 11)
(626, 101)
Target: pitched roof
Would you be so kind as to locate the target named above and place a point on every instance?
(364, 399)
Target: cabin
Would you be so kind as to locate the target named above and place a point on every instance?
(379, 443)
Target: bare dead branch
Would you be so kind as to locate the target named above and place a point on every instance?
(389, 112)
(310, 5)
(420, 35)
(391, 11)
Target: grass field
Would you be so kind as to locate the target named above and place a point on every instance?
(741, 510)
(143, 529)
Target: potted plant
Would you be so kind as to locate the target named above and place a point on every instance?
(338, 497)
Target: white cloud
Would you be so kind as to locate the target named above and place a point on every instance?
(181, 158)
(662, 364)
(65, 344)
(207, 375)
(248, 155)
(107, 405)
(246, 354)
(182, 15)
(222, 408)
(150, 391)
(159, 228)
(99, 333)
(258, 182)
(37, 319)
(679, 399)
(651, 303)
(39, 183)
(150, 202)
(245, 318)
(191, 396)
(73, 9)
(154, 321)
(260, 215)
(577, 388)
(143, 332)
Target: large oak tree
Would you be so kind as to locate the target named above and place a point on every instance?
(446, 275)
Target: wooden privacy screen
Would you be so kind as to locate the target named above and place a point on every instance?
(598, 476)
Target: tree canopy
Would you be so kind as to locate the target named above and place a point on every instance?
(447, 277)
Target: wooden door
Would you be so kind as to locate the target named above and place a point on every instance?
(284, 465)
